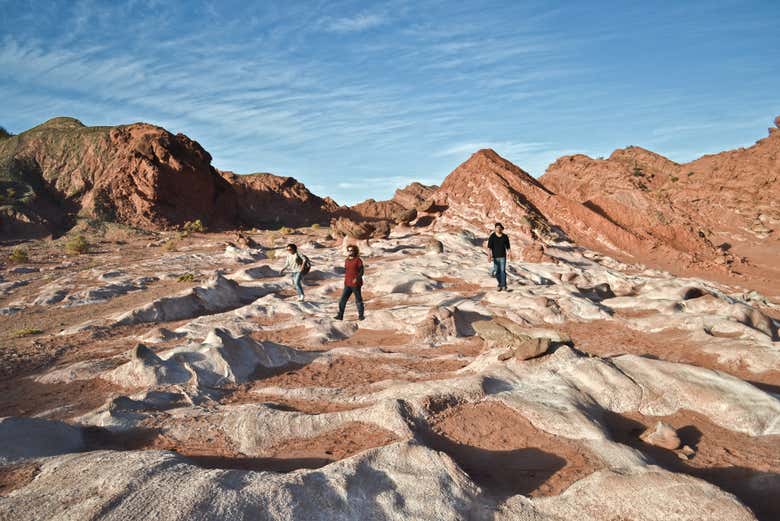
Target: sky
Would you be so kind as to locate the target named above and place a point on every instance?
(356, 98)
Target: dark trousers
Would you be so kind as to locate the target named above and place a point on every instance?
(349, 290)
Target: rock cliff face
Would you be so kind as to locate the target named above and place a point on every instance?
(648, 193)
(136, 174)
(488, 188)
(727, 199)
(413, 195)
(396, 209)
(267, 199)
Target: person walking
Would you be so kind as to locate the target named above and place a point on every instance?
(498, 252)
(295, 264)
(353, 282)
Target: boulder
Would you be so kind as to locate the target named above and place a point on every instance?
(346, 227)
(438, 326)
(434, 246)
(534, 252)
(506, 334)
(407, 216)
(661, 435)
(245, 241)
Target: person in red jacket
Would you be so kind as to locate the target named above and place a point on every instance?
(353, 281)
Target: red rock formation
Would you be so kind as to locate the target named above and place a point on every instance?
(267, 199)
(136, 174)
(487, 188)
(413, 195)
(721, 198)
(371, 210)
(393, 210)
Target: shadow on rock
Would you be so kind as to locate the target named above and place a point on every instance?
(500, 473)
(757, 489)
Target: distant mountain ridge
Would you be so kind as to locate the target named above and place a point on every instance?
(635, 205)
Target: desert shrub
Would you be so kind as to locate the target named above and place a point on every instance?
(637, 172)
(19, 255)
(183, 234)
(77, 245)
(690, 174)
(316, 226)
(187, 277)
(169, 245)
(4, 133)
(195, 226)
(674, 178)
(286, 230)
(28, 331)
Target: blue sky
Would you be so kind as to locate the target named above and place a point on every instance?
(358, 98)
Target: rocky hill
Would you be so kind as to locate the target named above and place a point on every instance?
(488, 188)
(271, 200)
(140, 175)
(404, 201)
(728, 199)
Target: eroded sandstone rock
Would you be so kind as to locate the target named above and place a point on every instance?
(661, 435)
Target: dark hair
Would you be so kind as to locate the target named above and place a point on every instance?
(497, 225)
(293, 247)
(354, 247)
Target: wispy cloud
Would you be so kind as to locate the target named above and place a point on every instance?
(353, 24)
(357, 99)
(505, 148)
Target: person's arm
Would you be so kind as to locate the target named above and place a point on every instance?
(507, 247)
(286, 265)
(490, 248)
(360, 272)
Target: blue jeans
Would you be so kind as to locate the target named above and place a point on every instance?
(296, 280)
(349, 290)
(499, 264)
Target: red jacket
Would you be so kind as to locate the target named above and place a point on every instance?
(353, 275)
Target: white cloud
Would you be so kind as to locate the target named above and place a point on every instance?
(504, 148)
(353, 24)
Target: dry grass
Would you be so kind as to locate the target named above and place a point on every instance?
(77, 245)
(19, 255)
(27, 332)
(195, 226)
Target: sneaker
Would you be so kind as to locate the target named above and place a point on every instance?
(300, 298)
(500, 288)
(338, 317)
(361, 318)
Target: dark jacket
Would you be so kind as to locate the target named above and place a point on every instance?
(498, 245)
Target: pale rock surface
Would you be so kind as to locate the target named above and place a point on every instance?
(661, 435)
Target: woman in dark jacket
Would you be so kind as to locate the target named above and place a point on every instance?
(353, 282)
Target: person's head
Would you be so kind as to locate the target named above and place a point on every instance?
(499, 228)
(291, 248)
(352, 250)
